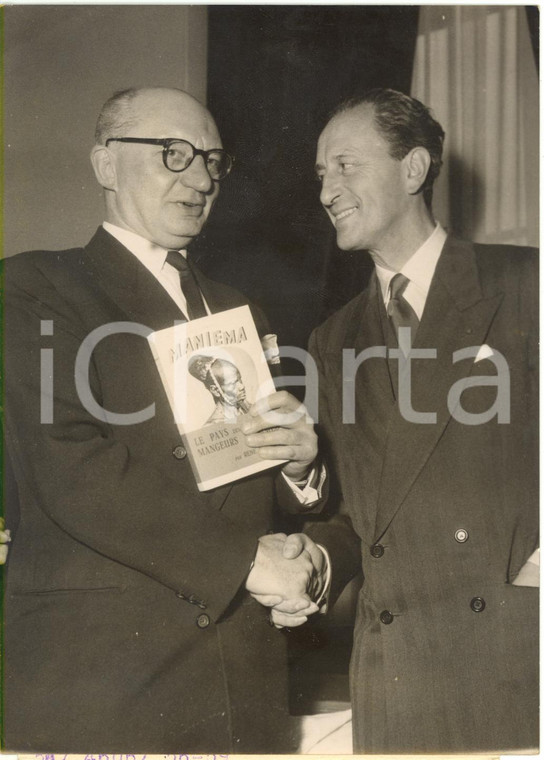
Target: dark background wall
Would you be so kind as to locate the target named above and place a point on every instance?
(274, 72)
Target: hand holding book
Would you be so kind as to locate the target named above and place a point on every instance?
(213, 369)
(279, 427)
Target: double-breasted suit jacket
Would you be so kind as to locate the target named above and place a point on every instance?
(444, 513)
(127, 626)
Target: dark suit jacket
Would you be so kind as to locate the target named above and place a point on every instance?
(127, 627)
(444, 515)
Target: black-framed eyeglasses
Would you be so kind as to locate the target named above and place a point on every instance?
(177, 155)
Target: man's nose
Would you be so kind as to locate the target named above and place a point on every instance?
(329, 190)
(197, 176)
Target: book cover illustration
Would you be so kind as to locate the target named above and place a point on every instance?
(213, 369)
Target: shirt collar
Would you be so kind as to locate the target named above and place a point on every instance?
(152, 256)
(419, 268)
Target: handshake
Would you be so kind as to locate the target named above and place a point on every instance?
(288, 575)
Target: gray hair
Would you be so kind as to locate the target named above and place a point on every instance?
(116, 116)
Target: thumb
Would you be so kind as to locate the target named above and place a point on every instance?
(267, 600)
(293, 546)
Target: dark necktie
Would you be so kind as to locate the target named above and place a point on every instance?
(189, 285)
(399, 310)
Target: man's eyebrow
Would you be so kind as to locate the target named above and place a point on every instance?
(347, 152)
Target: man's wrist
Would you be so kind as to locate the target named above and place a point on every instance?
(308, 491)
(309, 476)
(302, 482)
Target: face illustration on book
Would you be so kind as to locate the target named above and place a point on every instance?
(212, 370)
(224, 381)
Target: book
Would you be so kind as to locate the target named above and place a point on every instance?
(213, 369)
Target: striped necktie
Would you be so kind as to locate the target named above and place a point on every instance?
(399, 310)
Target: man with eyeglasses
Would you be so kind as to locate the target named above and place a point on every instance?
(129, 626)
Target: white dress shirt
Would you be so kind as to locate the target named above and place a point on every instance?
(419, 269)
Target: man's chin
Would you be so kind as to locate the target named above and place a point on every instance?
(183, 231)
(179, 241)
(347, 244)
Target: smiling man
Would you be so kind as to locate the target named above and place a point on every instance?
(441, 503)
(375, 201)
(128, 627)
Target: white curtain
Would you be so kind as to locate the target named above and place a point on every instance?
(474, 66)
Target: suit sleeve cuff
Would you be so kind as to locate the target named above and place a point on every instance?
(322, 600)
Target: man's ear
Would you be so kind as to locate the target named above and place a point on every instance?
(104, 167)
(416, 164)
(214, 390)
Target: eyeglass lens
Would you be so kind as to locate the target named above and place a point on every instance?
(179, 155)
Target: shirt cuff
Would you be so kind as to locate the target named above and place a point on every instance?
(323, 599)
(308, 491)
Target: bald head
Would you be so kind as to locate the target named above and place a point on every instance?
(168, 208)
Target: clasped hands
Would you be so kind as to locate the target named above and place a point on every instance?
(287, 576)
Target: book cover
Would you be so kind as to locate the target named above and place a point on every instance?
(213, 369)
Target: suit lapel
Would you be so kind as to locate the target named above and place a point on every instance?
(136, 293)
(129, 284)
(366, 332)
(216, 298)
(456, 315)
(372, 398)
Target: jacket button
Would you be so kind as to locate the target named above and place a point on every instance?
(386, 617)
(179, 452)
(477, 604)
(461, 535)
(203, 621)
(377, 551)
